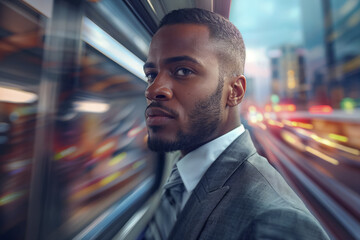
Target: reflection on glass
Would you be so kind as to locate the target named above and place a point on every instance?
(100, 152)
(97, 156)
(21, 51)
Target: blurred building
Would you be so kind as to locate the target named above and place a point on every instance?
(250, 87)
(288, 73)
(332, 43)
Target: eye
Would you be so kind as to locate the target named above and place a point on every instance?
(183, 72)
(151, 76)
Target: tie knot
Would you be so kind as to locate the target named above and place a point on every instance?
(174, 179)
(174, 189)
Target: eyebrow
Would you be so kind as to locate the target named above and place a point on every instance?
(173, 60)
(149, 65)
(180, 59)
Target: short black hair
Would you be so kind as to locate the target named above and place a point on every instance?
(231, 50)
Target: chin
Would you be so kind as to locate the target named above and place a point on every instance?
(162, 145)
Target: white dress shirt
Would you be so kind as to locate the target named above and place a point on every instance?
(194, 164)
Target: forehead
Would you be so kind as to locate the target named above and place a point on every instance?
(181, 39)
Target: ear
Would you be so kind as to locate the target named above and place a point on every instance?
(237, 91)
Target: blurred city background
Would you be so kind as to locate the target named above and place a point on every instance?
(73, 155)
(303, 99)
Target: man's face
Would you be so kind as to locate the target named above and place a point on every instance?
(184, 95)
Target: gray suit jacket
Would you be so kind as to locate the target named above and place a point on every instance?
(241, 196)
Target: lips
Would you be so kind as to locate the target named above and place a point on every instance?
(156, 116)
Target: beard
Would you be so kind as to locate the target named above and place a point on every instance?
(203, 120)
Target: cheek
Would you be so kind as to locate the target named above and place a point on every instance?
(224, 97)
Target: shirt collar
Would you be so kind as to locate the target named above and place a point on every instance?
(194, 164)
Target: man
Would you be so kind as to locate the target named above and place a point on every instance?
(225, 189)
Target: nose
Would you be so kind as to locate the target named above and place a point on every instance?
(159, 90)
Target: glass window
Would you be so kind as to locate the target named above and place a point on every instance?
(100, 147)
(74, 158)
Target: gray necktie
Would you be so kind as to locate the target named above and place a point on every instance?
(169, 208)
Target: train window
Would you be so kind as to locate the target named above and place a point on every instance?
(102, 169)
(73, 148)
(101, 158)
(115, 18)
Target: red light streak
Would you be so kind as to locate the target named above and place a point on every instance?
(321, 109)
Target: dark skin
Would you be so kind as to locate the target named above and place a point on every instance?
(183, 69)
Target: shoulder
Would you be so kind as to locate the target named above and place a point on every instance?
(258, 178)
(284, 223)
(273, 210)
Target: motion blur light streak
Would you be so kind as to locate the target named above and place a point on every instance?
(322, 155)
(303, 132)
(16, 96)
(135, 131)
(10, 197)
(335, 145)
(84, 192)
(138, 164)
(293, 140)
(338, 137)
(117, 159)
(104, 148)
(23, 111)
(321, 109)
(110, 178)
(17, 164)
(298, 124)
(281, 108)
(284, 108)
(152, 7)
(99, 39)
(305, 125)
(65, 153)
(95, 107)
(328, 142)
(275, 123)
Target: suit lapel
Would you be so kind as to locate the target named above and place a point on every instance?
(211, 189)
(195, 214)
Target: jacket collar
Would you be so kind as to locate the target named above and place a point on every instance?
(227, 163)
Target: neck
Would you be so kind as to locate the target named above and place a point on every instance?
(186, 151)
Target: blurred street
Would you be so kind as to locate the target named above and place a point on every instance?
(317, 159)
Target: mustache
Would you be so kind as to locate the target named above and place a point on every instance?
(161, 106)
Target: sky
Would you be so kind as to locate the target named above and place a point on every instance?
(265, 24)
